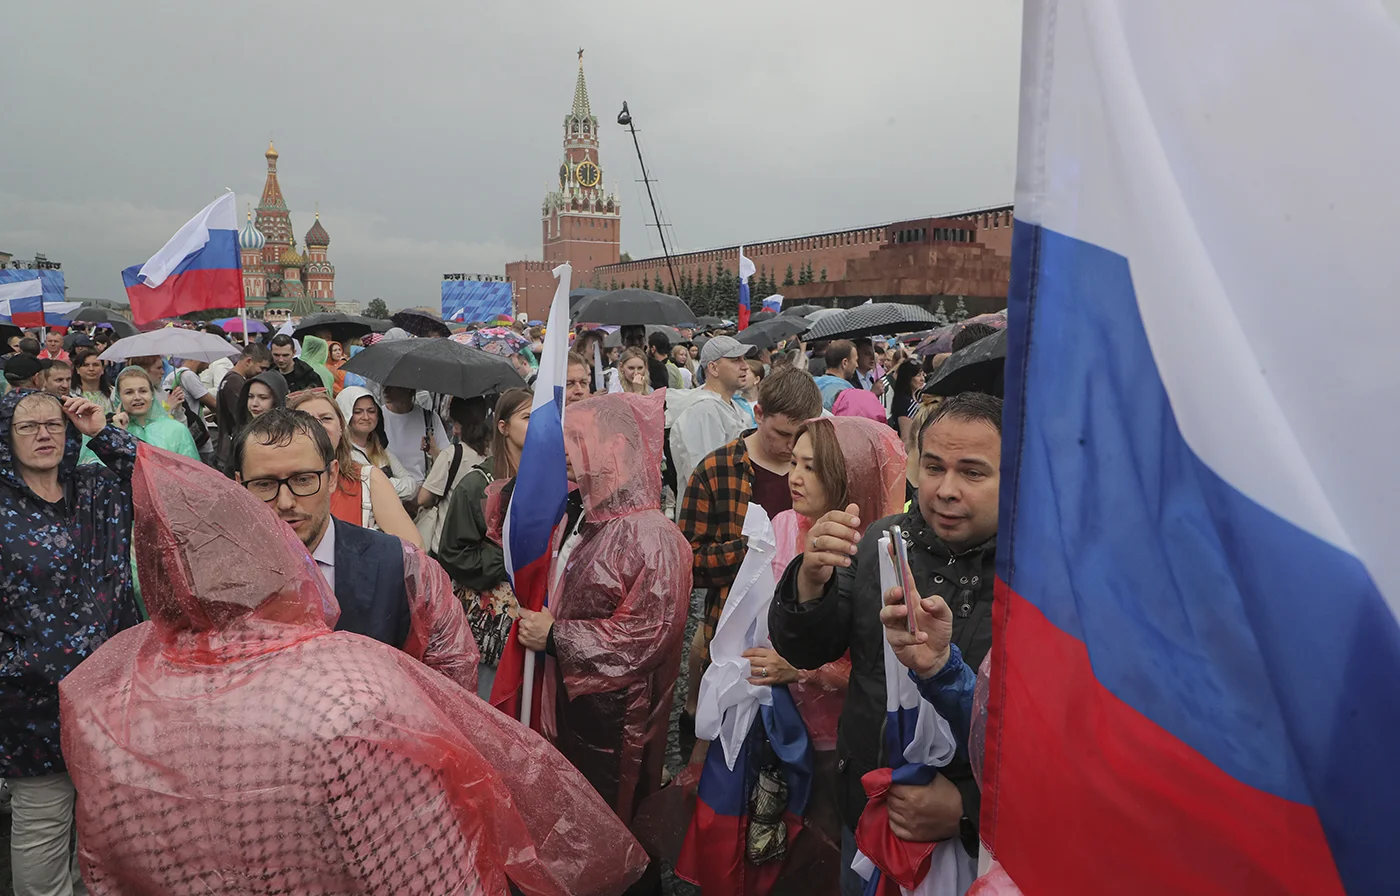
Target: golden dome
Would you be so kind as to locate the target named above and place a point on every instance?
(291, 258)
(271, 150)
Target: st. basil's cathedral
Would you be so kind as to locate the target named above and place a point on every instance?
(279, 281)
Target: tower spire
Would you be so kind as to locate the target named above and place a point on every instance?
(581, 109)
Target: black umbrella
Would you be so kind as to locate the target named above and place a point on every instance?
(77, 340)
(583, 292)
(979, 367)
(771, 333)
(761, 316)
(92, 314)
(421, 323)
(343, 327)
(709, 322)
(435, 365)
(379, 325)
(871, 320)
(799, 310)
(633, 307)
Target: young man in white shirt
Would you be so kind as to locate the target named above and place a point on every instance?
(197, 396)
(416, 434)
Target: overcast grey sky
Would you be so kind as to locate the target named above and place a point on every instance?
(428, 130)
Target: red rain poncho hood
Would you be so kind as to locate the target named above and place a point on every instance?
(236, 744)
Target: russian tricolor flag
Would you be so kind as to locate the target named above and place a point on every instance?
(918, 742)
(536, 503)
(197, 270)
(746, 270)
(773, 303)
(22, 301)
(1196, 682)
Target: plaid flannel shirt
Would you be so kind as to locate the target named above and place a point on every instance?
(713, 508)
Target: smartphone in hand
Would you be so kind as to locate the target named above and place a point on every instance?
(900, 549)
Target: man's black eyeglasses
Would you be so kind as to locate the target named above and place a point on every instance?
(303, 485)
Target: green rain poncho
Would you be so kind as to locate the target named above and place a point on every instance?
(317, 352)
(157, 428)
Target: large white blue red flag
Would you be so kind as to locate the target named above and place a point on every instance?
(537, 500)
(198, 269)
(1197, 659)
(22, 301)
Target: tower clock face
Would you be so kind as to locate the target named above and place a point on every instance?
(588, 174)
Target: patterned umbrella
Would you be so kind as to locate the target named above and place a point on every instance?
(941, 340)
(501, 341)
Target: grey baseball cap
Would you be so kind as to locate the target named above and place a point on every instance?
(725, 347)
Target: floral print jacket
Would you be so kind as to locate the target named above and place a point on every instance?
(65, 585)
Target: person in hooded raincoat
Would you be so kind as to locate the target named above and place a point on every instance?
(65, 587)
(236, 744)
(616, 629)
(317, 352)
(142, 415)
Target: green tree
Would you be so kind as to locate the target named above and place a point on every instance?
(377, 309)
(626, 257)
(823, 275)
(959, 311)
(940, 314)
(787, 280)
(646, 281)
(805, 274)
(613, 285)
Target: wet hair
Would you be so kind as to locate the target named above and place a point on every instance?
(277, 428)
(506, 407)
(473, 415)
(134, 371)
(837, 353)
(257, 353)
(827, 460)
(969, 406)
(790, 392)
(282, 340)
(971, 333)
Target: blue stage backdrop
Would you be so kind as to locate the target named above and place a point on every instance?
(468, 301)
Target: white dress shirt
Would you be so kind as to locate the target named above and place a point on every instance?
(324, 555)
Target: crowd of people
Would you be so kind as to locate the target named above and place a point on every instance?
(341, 665)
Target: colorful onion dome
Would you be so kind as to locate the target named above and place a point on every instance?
(251, 237)
(291, 258)
(317, 235)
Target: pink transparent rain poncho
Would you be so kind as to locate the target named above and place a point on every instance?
(622, 603)
(236, 744)
(875, 477)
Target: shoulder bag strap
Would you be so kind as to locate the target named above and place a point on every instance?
(452, 470)
(366, 506)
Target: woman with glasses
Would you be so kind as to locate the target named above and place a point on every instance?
(142, 415)
(66, 589)
(361, 495)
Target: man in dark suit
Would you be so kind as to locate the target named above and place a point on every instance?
(387, 589)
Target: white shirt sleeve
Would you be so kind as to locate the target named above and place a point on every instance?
(190, 381)
(699, 430)
(403, 481)
(437, 476)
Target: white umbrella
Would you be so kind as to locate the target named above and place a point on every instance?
(189, 345)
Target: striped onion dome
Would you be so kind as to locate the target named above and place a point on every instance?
(317, 235)
(251, 237)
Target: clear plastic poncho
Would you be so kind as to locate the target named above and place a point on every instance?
(236, 744)
(621, 609)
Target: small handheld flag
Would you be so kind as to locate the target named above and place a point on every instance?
(196, 270)
(746, 270)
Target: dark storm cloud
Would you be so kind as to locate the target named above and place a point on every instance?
(428, 131)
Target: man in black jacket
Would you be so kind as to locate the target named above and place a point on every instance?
(829, 601)
(298, 374)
